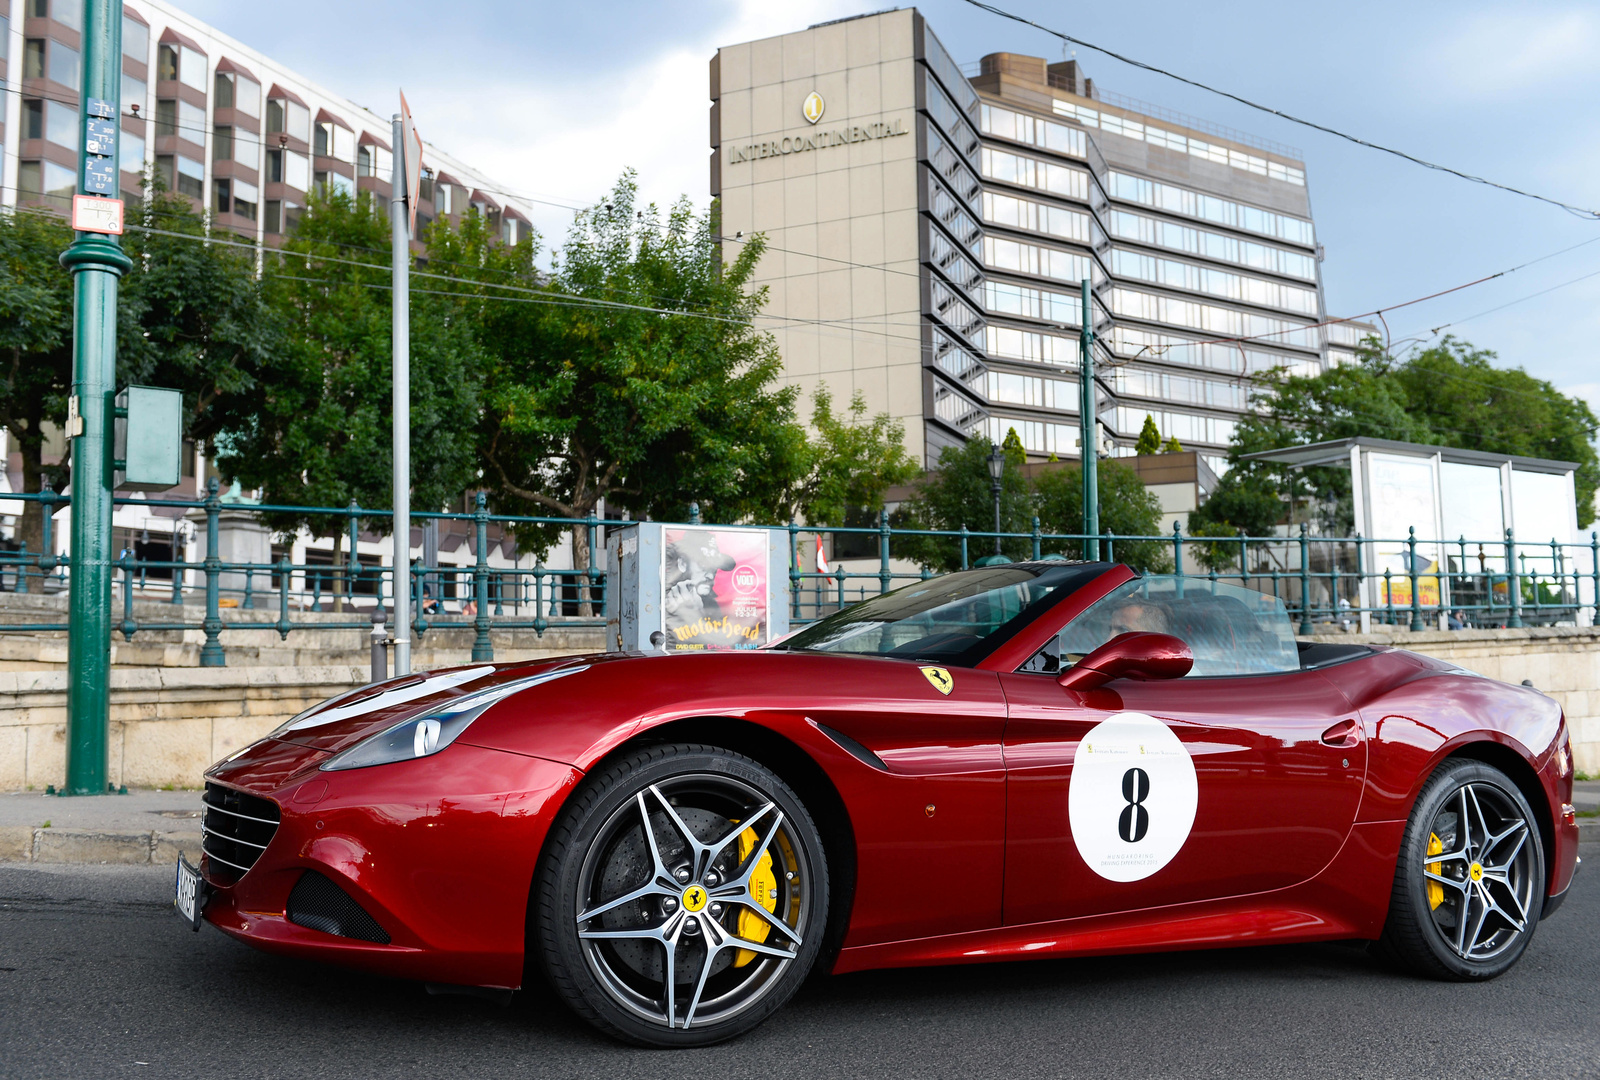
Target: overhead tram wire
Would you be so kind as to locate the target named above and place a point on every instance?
(1577, 211)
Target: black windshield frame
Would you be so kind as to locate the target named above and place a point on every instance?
(1066, 577)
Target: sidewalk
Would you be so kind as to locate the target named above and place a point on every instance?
(144, 827)
(140, 827)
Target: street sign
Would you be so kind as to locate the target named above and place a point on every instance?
(91, 213)
(411, 147)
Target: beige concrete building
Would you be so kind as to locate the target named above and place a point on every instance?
(929, 225)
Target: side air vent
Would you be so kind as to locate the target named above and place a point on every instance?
(317, 903)
(235, 828)
(853, 748)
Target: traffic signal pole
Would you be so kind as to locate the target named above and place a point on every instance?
(96, 262)
(1089, 441)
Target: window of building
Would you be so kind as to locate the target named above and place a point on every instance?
(33, 119)
(61, 124)
(166, 62)
(191, 68)
(39, 9)
(234, 91)
(288, 118)
(183, 174)
(336, 142)
(134, 92)
(319, 183)
(33, 58)
(221, 200)
(166, 116)
(135, 40)
(130, 151)
(67, 13)
(275, 166)
(222, 143)
(245, 199)
(339, 182)
(191, 122)
(374, 161)
(296, 171)
(441, 198)
(425, 186)
(272, 216)
(46, 178)
(247, 150)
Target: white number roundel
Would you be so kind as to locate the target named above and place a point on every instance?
(1132, 796)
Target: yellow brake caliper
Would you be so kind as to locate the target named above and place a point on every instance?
(763, 890)
(1435, 890)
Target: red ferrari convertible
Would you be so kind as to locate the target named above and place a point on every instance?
(1082, 759)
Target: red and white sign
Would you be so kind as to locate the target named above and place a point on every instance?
(822, 560)
(411, 147)
(91, 213)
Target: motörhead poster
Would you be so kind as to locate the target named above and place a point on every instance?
(715, 589)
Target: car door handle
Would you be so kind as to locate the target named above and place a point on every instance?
(1344, 734)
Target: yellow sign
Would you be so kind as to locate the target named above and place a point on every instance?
(694, 898)
(813, 107)
(940, 679)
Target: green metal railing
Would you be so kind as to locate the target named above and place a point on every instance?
(1323, 581)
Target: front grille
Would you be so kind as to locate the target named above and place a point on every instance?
(316, 902)
(235, 830)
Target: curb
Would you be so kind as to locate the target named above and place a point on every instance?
(39, 845)
(1588, 831)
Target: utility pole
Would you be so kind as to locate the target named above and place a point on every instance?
(96, 262)
(402, 402)
(1089, 439)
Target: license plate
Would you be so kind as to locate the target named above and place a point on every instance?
(191, 893)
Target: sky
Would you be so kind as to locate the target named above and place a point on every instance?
(555, 100)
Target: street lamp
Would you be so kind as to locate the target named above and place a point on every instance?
(997, 468)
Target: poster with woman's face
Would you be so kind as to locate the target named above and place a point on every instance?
(715, 585)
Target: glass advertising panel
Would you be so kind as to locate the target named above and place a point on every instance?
(715, 589)
(1402, 498)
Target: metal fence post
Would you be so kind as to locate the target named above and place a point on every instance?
(694, 513)
(283, 597)
(211, 654)
(884, 578)
(128, 627)
(47, 546)
(1305, 577)
(380, 647)
(22, 568)
(482, 647)
(1177, 555)
(963, 545)
(794, 570)
(1037, 539)
(1513, 582)
(1594, 557)
(1411, 569)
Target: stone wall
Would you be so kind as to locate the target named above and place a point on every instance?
(169, 723)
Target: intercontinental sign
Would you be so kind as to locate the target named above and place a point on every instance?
(818, 140)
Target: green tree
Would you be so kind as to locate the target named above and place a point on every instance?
(194, 316)
(1127, 508)
(640, 378)
(35, 348)
(320, 430)
(960, 493)
(1172, 445)
(1149, 437)
(853, 461)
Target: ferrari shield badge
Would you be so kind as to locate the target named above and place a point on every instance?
(940, 678)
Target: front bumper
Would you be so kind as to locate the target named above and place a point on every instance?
(439, 851)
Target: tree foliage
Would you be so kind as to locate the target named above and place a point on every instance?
(319, 430)
(853, 460)
(1447, 395)
(1149, 437)
(1127, 508)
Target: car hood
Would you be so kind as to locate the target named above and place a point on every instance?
(344, 721)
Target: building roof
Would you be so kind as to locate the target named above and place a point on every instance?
(1336, 452)
(238, 69)
(326, 117)
(278, 91)
(172, 35)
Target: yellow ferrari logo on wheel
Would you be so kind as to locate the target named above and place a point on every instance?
(694, 898)
(940, 678)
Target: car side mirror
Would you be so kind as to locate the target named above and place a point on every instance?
(1133, 655)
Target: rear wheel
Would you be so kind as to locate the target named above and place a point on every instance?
(683, 897)
(1469, 885)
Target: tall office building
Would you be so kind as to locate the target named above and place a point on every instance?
(929, 225)
(238, 133)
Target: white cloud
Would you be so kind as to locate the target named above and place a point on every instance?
(1513, 53)
(569, 141)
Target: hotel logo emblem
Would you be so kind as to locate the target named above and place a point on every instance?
(812, 107)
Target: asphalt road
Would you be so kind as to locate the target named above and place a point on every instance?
(98, 978)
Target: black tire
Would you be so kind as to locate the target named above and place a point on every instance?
(612, 966)
(1483, 875)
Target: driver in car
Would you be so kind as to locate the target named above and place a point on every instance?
(1138, 614)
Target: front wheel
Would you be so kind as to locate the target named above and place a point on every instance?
(1469, 885)
(682, 898)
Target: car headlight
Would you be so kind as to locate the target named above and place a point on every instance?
(434, 730)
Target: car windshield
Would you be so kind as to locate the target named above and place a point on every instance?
(1231, 630)
(958, 618)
